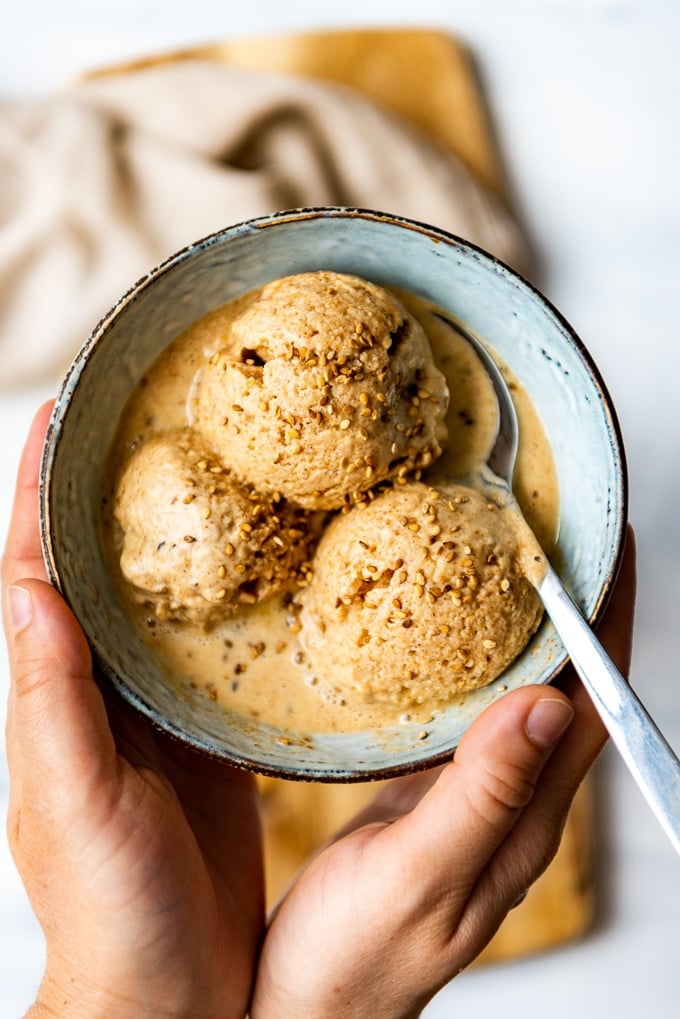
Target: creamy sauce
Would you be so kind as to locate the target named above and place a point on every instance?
(252, 663)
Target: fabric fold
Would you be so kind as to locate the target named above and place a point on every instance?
(106, 179)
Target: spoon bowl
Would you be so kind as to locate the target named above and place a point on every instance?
(648, 756)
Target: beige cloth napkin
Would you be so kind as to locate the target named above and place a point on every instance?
(104, 180)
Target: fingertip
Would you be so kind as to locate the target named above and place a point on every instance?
(58, 717)
(44, 633)
(23, 554)
(32, 453)
(19, 608)
(535, 713)
(43, 414)
(548, 720)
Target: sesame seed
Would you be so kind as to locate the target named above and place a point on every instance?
(344, 424)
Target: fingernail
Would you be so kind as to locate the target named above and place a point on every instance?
(20, 608)
(547, 721)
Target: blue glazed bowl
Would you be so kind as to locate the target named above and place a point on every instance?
(527, 332)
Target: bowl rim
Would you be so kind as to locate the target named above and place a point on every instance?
(79, 365)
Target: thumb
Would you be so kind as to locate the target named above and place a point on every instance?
(57, 725)
(479, 797)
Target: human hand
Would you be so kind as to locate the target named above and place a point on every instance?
(141, 859)
(412, 892)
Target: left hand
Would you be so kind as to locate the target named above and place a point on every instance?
(142, 860)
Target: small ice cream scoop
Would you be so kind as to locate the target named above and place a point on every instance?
(195, 543)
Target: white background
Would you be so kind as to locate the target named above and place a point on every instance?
(585, 96)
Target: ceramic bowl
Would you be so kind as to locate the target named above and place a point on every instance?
(533, 339)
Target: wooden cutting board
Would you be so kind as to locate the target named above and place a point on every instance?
(429, 79)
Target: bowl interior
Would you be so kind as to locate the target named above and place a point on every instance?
(536, 343)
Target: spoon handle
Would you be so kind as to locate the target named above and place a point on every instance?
(649, 758)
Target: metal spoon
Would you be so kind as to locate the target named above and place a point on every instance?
(649, 758)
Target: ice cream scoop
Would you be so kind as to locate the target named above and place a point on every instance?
(325, 386)
(417, 597)
(194, 542)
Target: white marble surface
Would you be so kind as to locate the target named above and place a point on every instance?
(585, 96)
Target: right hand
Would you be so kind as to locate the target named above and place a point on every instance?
(412, 892)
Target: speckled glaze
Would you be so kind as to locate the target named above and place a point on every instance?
(528, 333)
